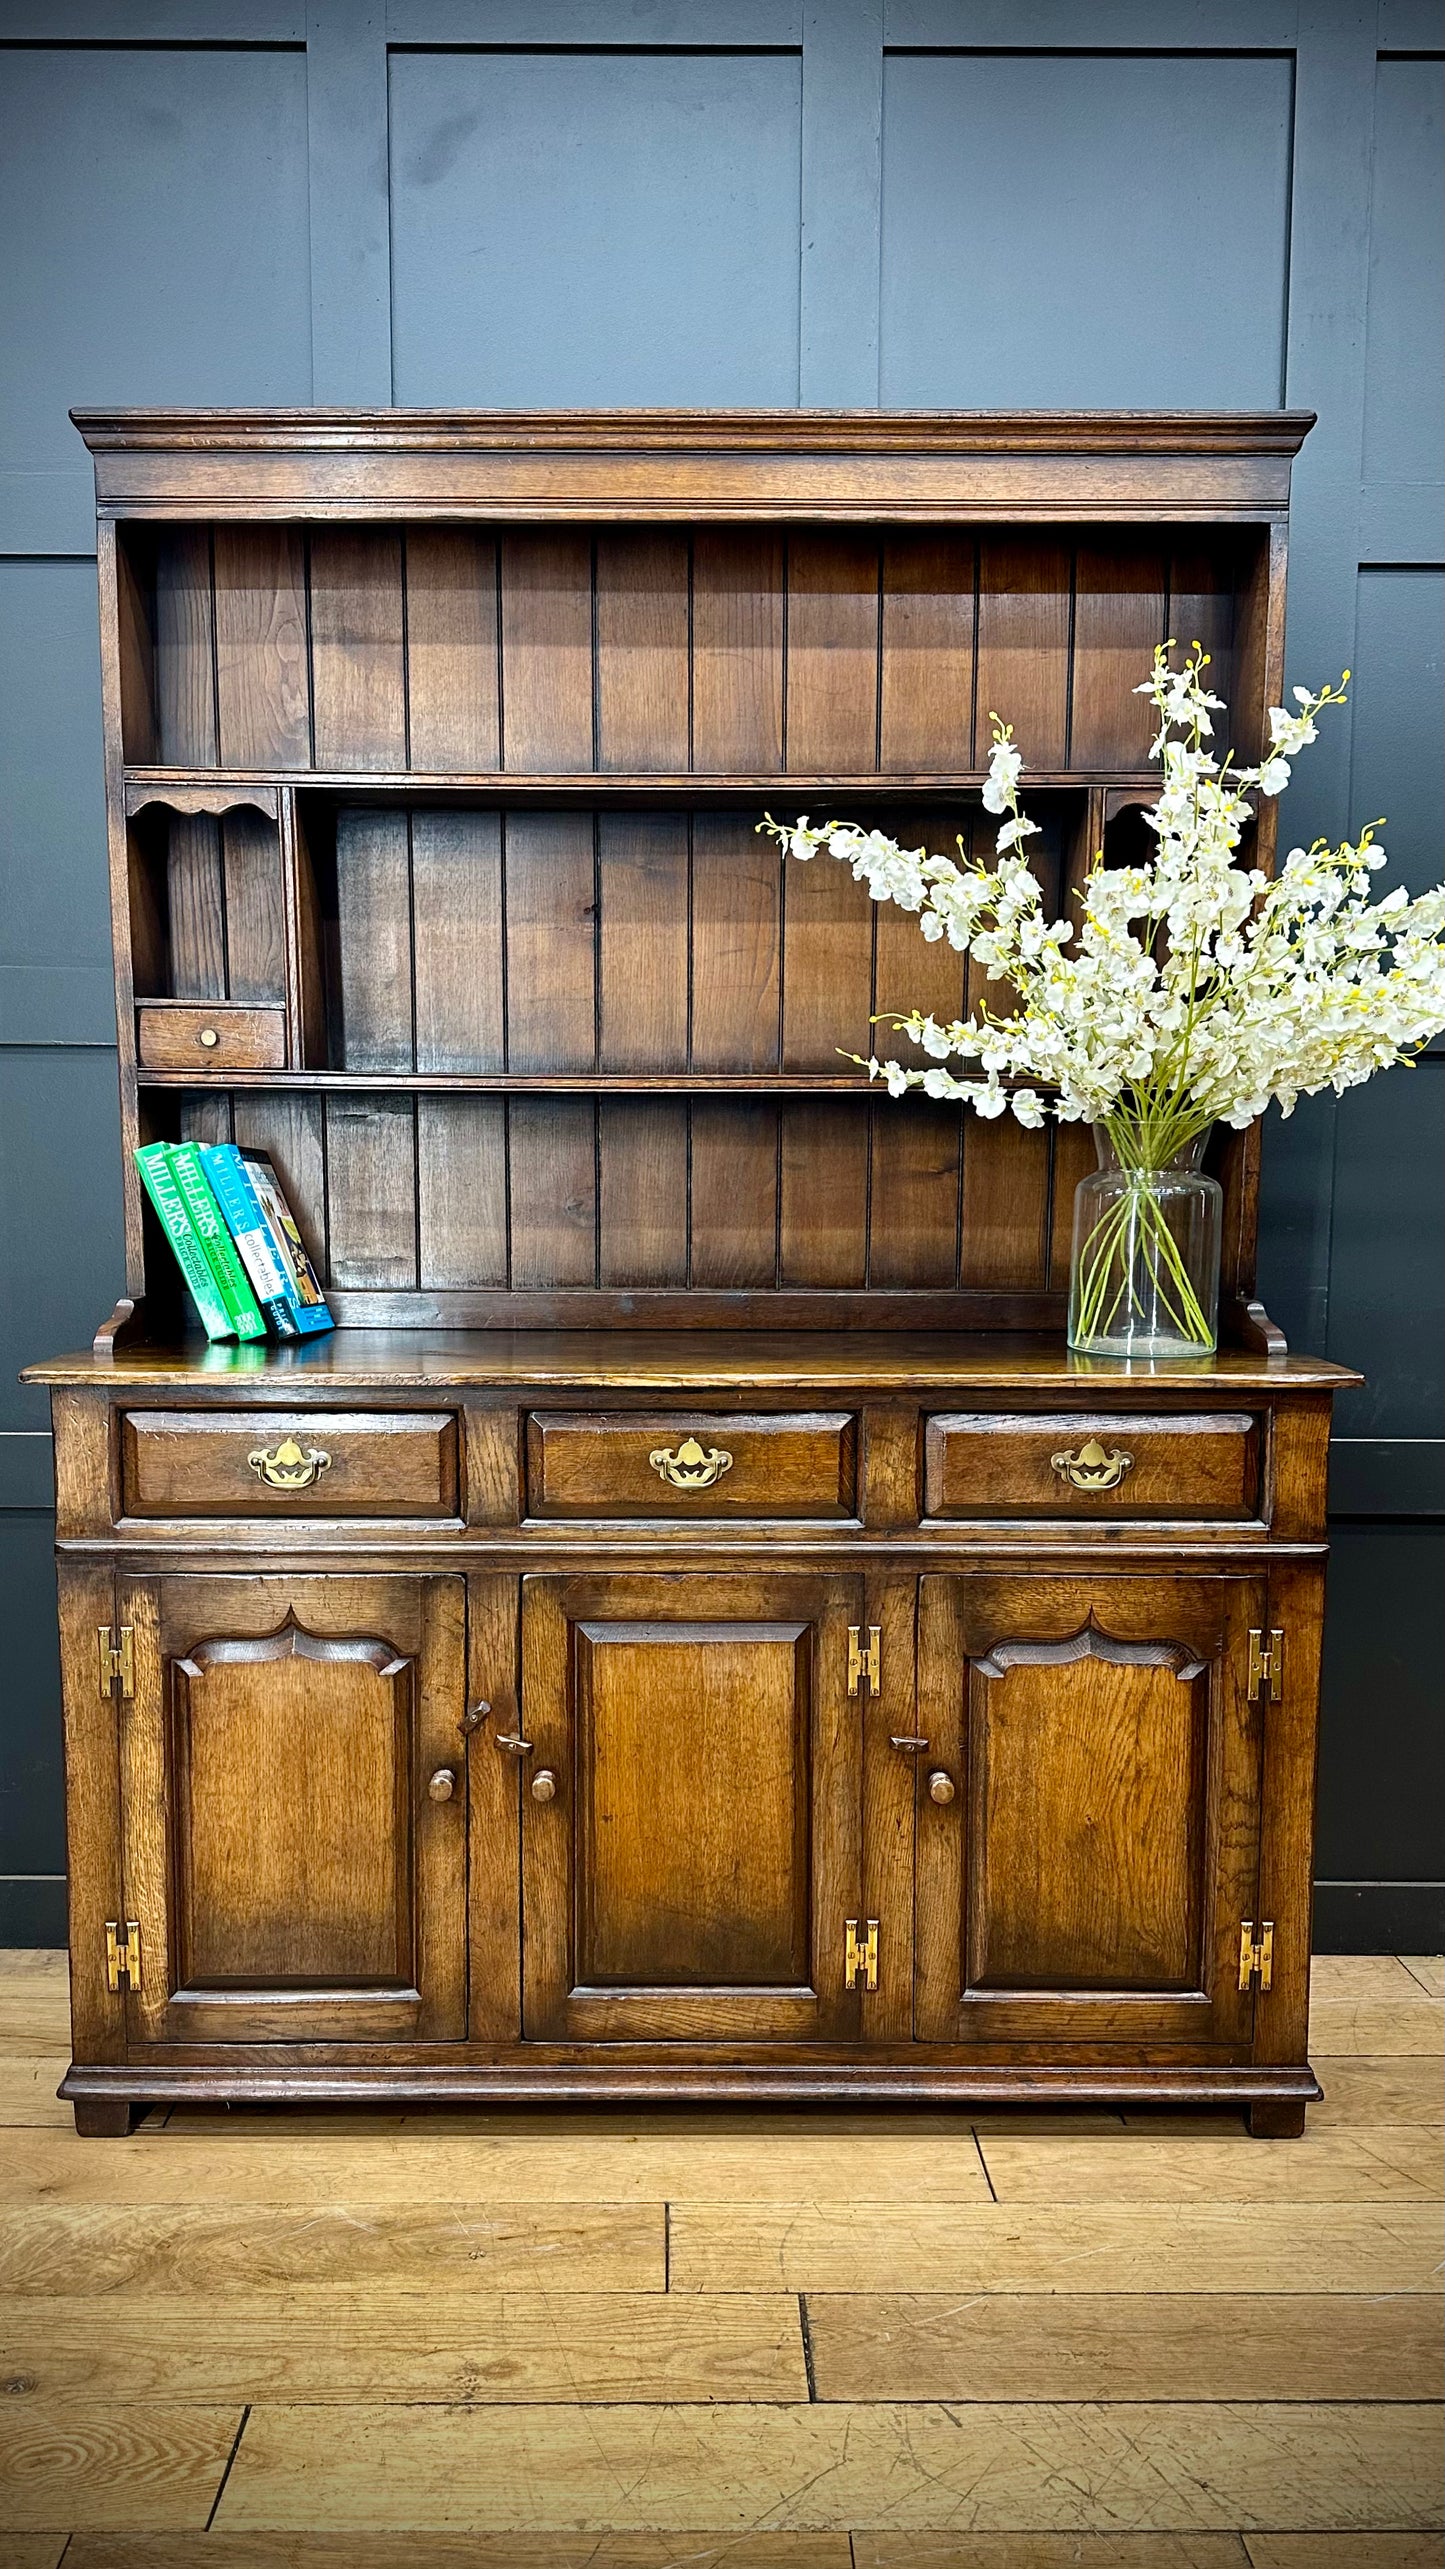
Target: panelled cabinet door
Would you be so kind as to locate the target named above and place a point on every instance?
(1087, 1880)
(690, 1808)
(293, 1809)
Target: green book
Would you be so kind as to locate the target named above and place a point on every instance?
(211, 1228)
(160, 1185)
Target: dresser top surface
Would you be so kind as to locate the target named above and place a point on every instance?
(822, 1361)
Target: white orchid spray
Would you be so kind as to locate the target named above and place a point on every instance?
(1193, 989)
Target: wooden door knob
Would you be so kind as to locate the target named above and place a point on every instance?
(544, 1785)
(941, 1787)
(442, 1785)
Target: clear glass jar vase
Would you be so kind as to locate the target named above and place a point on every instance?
(1144, 1275)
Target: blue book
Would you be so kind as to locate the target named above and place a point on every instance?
(249, 1194)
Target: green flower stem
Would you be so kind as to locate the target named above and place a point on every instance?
(1134, 1235)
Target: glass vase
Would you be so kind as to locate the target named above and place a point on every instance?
(1144, 1276)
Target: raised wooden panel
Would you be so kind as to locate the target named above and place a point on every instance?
(1088, 1880)
(358, 677)
(383, 1463)
(451, 650)
(262, 685)
(1086, 1793)
(1095, 1465)
(600, 1465)
(293, 1875)
(687, 1872)
(692, 1821)
(292, 1771)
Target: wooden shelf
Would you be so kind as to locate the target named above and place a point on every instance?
(196, 789)
(548, 1083)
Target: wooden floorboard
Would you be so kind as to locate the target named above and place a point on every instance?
(1125, 2346)
(519, 2339)
(818, 2468)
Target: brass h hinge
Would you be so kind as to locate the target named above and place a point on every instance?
(122, 1960)
(860, 1962)
(118, 1661)
(1266, 1667)
(1256, 1958)
(864, 1663)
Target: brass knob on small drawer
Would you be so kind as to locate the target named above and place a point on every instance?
(941, 1787)
(544, 1785)
(208, 1038)
(442, 1785)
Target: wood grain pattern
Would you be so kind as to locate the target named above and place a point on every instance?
(160, 2466)
(551, 941)
(262, 685)
(1048, 2551)
(1102, 2346)
(818, 2247)
(642, 1192)
(991, 1464)
(1023, 645)
(357, 673)
(373, 887)
(451, 650)
(176, 1462)
(833, 642)
(461, 1190)
(371, 1190)
(734, 1164)
(547, 652)
(926, 702)
(736, 944)
(553, 1184)
(598, 1464)
(185, 676)
(441, 2344)
(737, 651)
(215, 2250)
(643, 938)
(456, 940)
(817, 2467)
(1119, 613)
(823, 1194)
(196, 906)
(171, 1038)
(414, 2550)
(642, 652)
(1381, 2167)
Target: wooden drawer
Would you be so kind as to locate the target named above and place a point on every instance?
(268, 1462)
(1099, 1466)
(654, 1464)
(209, 1039)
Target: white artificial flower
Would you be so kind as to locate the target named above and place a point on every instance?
(1190, 989)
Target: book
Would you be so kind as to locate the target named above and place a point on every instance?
(211, 1228)
(240, 1206)
(158, 1179)
(255, 1176)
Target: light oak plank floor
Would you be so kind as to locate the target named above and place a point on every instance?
(729, 2341)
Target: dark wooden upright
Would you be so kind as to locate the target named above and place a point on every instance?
(715, 1641)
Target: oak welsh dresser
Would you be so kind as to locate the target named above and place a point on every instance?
(693, 1631)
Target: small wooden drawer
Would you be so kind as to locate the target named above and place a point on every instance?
(276, 1462)
(209, 1039)
(1103, 1466)
(607, 1464)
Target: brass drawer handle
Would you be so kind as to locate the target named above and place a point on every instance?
(691, 1467)
(289, 1466)
(1091, 1468)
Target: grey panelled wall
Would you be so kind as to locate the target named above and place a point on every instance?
(750, 201)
